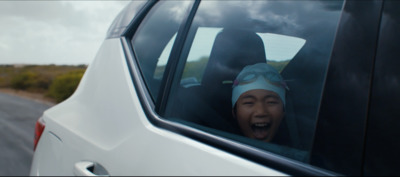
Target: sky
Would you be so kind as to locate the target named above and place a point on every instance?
(54, 31)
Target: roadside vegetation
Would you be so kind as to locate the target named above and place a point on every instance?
(195, 69)
(57, 82)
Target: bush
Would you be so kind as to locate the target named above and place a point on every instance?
(195, 69)
(64, 85)
(30, 81)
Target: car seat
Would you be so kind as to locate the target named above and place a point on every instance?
(233, 49)
(209, 104)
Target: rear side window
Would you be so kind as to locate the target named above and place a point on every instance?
(153, 40)
(295, 38)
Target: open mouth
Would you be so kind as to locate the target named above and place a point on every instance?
(260, 130)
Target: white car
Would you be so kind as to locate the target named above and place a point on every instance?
(158, 100)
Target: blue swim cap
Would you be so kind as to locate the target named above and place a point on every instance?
(258, 76)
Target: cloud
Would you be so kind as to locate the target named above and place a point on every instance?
(54, 32)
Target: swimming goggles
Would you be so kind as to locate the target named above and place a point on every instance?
(251, 76)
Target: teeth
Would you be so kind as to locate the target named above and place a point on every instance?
(260, 124)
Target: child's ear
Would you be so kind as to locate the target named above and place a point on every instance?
(234, 111)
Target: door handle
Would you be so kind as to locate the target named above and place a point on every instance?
(86, 168)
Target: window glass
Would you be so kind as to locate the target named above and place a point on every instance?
(294, 38)
(154, 38)
(198, 55)
(279, 50)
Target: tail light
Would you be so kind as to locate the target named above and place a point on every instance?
(39, 127)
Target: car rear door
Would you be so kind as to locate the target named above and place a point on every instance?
(381, 156)
(340, 132)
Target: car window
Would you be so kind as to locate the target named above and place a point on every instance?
(154, 38)
(293, 37)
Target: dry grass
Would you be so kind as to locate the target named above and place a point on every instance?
(33, 81)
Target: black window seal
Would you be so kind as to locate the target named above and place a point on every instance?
(134, 24)
(371, 91)
(130, 31)
(269, 160)
(173, 59)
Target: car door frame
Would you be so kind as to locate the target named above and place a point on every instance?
(381, 144)
(341, 128)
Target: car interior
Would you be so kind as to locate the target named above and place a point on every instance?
(208, 106)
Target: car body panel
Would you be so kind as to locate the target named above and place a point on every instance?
(383, 121)
(111, 129)
(342, 120)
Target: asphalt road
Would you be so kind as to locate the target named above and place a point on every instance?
(17, 124)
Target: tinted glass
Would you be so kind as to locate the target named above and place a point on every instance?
(382, 145)
(151, 39)
(294, 37)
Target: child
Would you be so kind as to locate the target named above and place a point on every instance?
(258, 101)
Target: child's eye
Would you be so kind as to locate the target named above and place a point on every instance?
(248, 103)
(272, 101)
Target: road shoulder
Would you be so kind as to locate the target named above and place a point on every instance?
(37, 97)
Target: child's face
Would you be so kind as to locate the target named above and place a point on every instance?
(259, 114)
